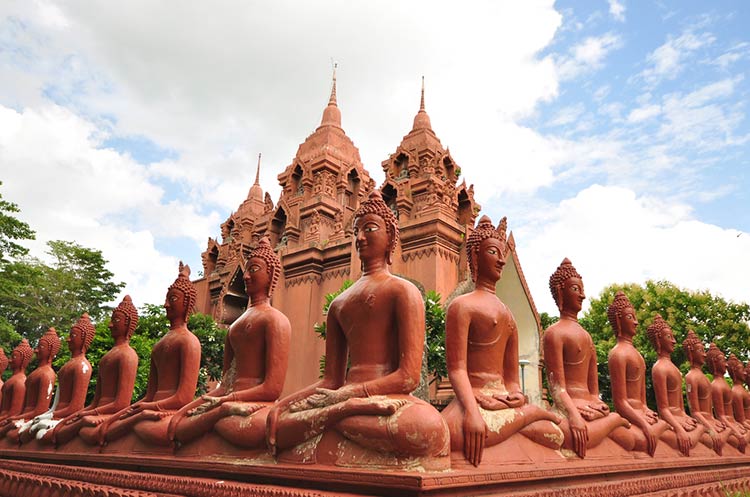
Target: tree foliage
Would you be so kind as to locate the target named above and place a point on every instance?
(435, 336)
(713, 318)
(11, 231)
(35, 295)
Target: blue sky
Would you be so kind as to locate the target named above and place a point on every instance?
(615, 132)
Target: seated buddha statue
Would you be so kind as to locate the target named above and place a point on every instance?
(72, 382)
(114, 384)
(699, 394)
(627, 372)
(14, 390)
(721, 395)
(39, 386)
(746, 402)
(364, 413)
(686, 432)
(570, 358)
(482, 357)
(740, 396)
(256, 355)
(173, 376)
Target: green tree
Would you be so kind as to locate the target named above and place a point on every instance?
(12, 230)
(435, 336)
(35, 295)
(212, 339)
(713, 318)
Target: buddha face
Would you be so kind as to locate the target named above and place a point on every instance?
(175, 304)
(572, 295)
(42, 351)
(697, 354)
(666, 340)
(16, 360)
(371, 237)
(118, 325)
(720, 364)
(256, 276)
(75, 339)
(628, 322)
(490, 260)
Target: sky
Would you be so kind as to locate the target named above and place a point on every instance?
(615, 133)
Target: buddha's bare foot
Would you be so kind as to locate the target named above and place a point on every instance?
(374, 406)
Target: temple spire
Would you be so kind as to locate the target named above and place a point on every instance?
(332, 114)
(257, 172)
(421, 102)
(422, 120)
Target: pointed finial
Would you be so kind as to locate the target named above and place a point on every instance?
(257, 171)
(332, 100)
(421, 103)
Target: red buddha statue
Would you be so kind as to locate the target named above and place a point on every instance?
(740, 396)
(667, 382)
(721, 395)
(482, 357)
(14, 390)
(3, 367)
(256, 355)
(72, 382)
(627, 372)
(570, 358)
(362, 412)
(114, 384)
(699, 394)
(746, 402)
(173, 377)
(39, 386)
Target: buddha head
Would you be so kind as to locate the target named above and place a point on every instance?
(375, 229)
(81, 334)
(262, 268)
(485, 249)
(736, 369)
(181, 296)
(717, 363)
(694, 349)
(621, 315)
(566, 286)
(48, 346)
(3, 360)
(124, 319)
(21, 356)
(660, 335)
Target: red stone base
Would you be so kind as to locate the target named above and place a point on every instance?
(46, 473)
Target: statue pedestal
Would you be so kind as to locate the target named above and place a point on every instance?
(47, 472)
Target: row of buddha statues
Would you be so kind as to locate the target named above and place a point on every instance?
(362, 413)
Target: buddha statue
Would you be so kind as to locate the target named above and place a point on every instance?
(39, 386)
(3, 366)
(362, 411)
(173, 376)
(256, 355)
(114, 384)
(699, 396)
(740, 396)
(667, 382)
(627, 372)
(570, 358)
(72, 382)
(482, 357)
(721, 395)
(14, 390)
(746, 402)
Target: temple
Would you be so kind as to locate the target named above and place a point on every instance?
(310, 226)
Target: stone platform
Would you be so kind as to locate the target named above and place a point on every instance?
(45, 473)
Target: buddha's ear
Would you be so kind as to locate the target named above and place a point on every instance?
(559, 302)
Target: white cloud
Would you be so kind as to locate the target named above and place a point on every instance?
(668, 60)
(617, 10)
(644, 113)
(69, 189)
(587, 56)
(613, 235)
